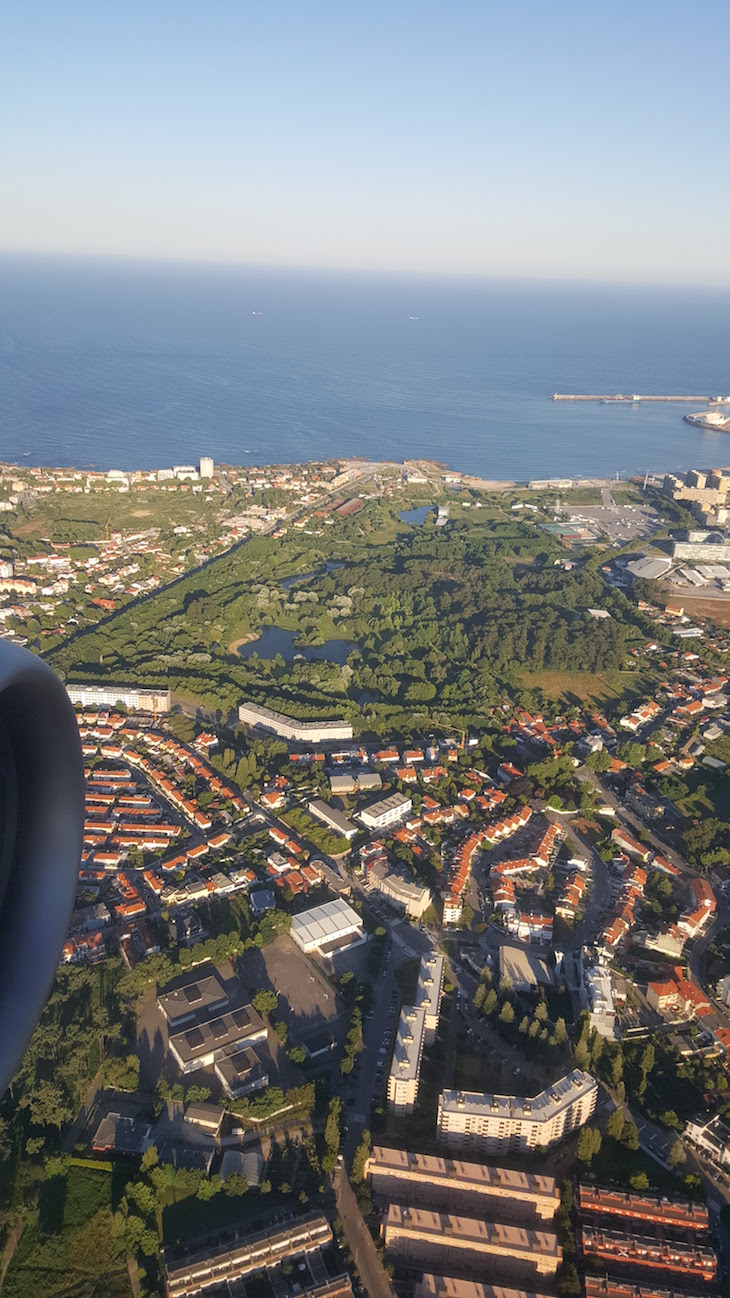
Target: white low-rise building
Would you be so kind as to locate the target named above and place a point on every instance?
(388, 811)
(327, 928)
(711, 1138)
(306, 732)
(332, 818)
(501, 1124)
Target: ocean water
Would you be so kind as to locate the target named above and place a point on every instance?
(124, 365)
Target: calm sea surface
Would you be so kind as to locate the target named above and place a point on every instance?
(125, 365)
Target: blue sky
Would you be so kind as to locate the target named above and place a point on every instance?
(524, 137)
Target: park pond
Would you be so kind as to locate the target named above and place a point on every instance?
(417, 516)
(331, 566)
(275, 640)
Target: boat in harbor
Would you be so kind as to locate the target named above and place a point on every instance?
(714, 420)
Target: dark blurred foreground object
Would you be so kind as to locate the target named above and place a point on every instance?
(41, 831)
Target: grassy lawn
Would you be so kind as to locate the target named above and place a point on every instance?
(582, 496)
(615, 1164)
(628, 495)
(67, 1247)
(709, 794)
(599, 688)
(324, 839)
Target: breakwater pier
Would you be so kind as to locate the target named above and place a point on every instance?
(619, 397)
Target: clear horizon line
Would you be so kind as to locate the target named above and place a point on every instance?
(213, 263)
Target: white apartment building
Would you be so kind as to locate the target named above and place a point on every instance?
(388, 811)
(306, 732)
(207, 466)
(597, 998)
(107, 696)
(405, 1067)
(429, 992)
(453, 907)
(500, 1124)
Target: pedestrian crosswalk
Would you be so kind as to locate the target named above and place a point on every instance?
(360, 1118)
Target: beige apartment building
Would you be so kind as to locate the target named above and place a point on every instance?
(405, 1067)
(410, 1178)
(443, 1286)
(212, 1268)
(430, 1239)
(411, 898)
(501, 1124)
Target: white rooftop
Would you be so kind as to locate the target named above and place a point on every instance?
(324, 923)
(408, 1044)
(650, 567)
(539, 1108)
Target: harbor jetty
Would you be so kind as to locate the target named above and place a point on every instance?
(619, 397)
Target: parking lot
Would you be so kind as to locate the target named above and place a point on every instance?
(620, 523)
(306, 1000)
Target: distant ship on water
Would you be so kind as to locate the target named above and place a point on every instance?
(712, 419)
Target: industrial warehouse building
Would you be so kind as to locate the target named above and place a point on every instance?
(501, 1124)
(456, 1186)
(107, 696)
(328, 928)
(305, 732)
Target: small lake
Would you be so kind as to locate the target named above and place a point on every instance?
(417, 516)
(330, 566)
(276, 640)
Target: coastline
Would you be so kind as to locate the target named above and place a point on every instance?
(434, 471)
(235, 645)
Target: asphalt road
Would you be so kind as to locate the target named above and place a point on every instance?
(374, 1277)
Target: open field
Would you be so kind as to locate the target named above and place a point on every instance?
(715, 610)
(86, 517)
(598, 688)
